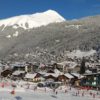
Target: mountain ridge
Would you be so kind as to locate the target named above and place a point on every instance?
(33, 20)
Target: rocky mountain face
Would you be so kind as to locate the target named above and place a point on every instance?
(47, 36)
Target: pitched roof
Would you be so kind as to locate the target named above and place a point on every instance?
(52, 74)
(30, 76)
(68, 63)
(77, 75)
(68, 75)
(18, 72)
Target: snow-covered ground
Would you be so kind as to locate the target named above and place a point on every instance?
(62, 93)
(80, 54)
(41, 96)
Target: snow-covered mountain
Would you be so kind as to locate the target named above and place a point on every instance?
(21, 40)
(32, 20)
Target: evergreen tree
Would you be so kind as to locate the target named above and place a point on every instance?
(82, 67)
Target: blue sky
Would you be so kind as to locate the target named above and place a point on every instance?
(69, 9)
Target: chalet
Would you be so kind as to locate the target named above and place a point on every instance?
(77, 79)
(68, 66)
(51, 77)
(32, 67)
(6, 73)
(77, 75)
(62, 78)
(18, 75)
(34, 77)
(65, 78)
(19, 66)
(75, 69)
(23, 66)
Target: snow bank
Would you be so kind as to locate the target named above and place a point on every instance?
(80, 54)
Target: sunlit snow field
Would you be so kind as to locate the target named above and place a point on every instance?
(26, 94)
(27, 91)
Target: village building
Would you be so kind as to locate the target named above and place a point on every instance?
(50, 77)
(5, 70)
(68, 67)
(6, 73)
(34, 77)
(17, 75)
(65, 78)
(91, 80)
(77, 78)
(19, 66)
(23, 66)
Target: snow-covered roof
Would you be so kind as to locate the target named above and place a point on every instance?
(88, 71)
(68, 75)
(77, 75)
(42, 72)
(18, 72)
(69, 63)
(52, 74)
(92, 74)
(57, 71)
(30, 76)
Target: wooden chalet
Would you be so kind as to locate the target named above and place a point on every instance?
(34, 77)
(65, 78)
(6, 73)
(18, 75)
